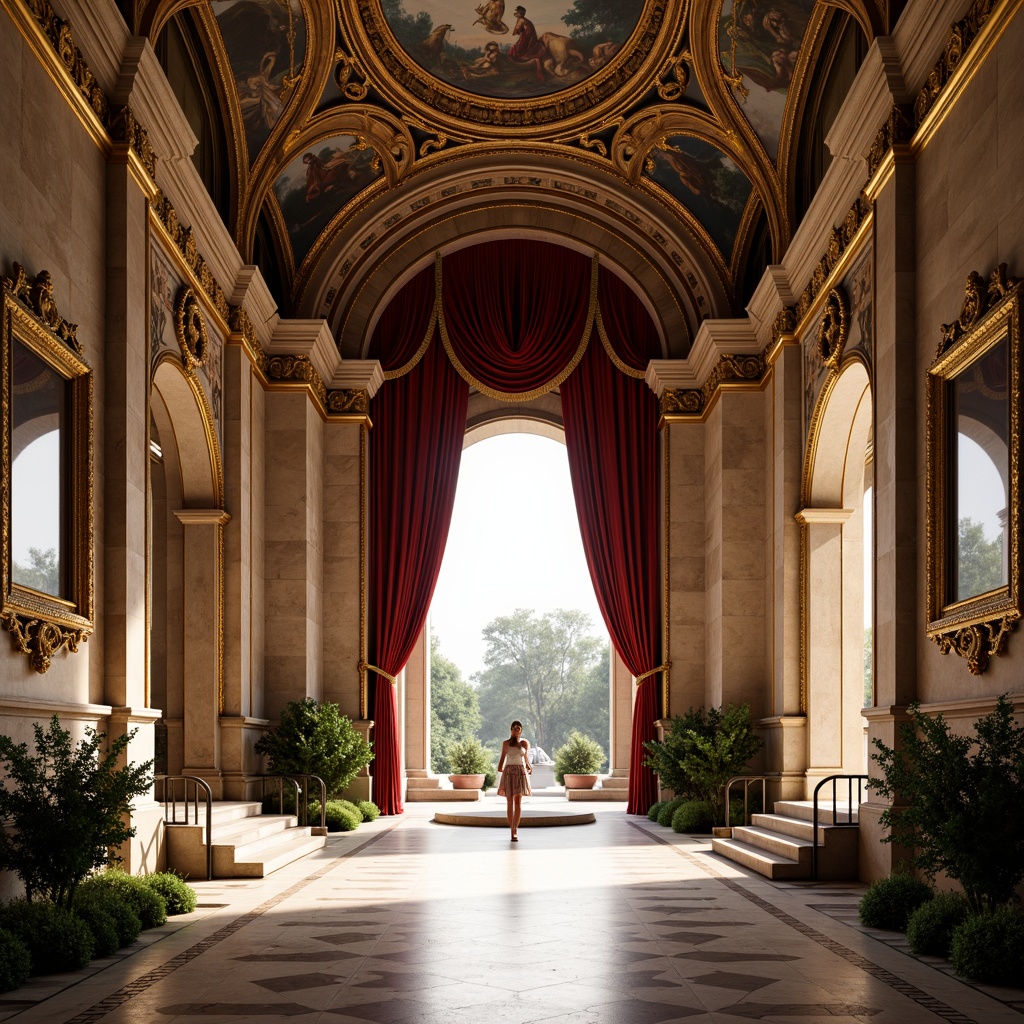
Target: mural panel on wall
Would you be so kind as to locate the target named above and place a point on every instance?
(859, 285)
(760, 41)
(266, 44)
(707, 183)
(165, 283)
(317, 183)
(507, 51)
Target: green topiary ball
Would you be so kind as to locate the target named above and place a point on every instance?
(15, 961)
(57, 940)
(351, 807)
(655, 810)
(990, 947)
(126, 922)
(101, 925)
(692, 816)
(669, 809)
(889, 902)
(148, 904)
(930, 928)
(340, 818)
(370, 811)
(178, 896)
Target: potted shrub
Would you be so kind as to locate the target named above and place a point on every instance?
(471, 764)
(577, 762)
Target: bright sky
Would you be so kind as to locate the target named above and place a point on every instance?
(35, 511)
(514, 543)
(980, 495)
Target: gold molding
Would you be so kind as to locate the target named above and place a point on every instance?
(978, 627)
(190, 328)
(833, 327)
(42, 624)
(685, 405)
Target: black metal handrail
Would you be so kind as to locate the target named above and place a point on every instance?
(861, 781)
(746, 780)
(301, 784)
(199, 787)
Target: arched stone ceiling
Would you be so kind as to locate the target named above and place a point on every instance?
(368, 134)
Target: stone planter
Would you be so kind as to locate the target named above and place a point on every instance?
(467, 781)
(580, 781)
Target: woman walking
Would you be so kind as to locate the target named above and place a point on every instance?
(514, 765)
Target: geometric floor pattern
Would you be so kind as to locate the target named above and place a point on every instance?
(411, 922)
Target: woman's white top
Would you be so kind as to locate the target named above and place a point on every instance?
(514, 755)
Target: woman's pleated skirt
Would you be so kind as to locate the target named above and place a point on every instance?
(514, 780)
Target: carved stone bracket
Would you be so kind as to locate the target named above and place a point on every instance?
(728, 370)
(348, 400)
(296, 370)
(40, 639)
(977, 643)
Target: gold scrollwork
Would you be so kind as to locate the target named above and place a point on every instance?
(839, 241)
(678, 68)
(190, 328)
(49, 607)
(686, 401)
(298, 370)
(348, 400)
(974, 388)
(346, 68)
(897, 129)
(833, 327)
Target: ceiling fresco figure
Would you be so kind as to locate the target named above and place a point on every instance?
(555, 45)
(265, 41)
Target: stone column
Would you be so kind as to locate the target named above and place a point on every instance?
(416, 690)
(203, 642)
(896, 378)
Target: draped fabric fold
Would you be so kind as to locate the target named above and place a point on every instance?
(407, 325)
(611, 424)
(516, 315)
(419, 420)
(625, 327)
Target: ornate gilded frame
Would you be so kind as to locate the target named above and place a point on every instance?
(978, 627)
(41, 624)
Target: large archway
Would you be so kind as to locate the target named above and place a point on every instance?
(837, 477)
(185, 573)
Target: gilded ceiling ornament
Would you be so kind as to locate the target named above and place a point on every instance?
(347, 68)
(678, 68)
(37, 293)
(681, 400)
(299, 370)
(833, 327)
(348, 400)
(190, 328)
(784, 324)
(896, 129)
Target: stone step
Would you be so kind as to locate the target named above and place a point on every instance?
(771, 865)
(804, 809)
(798, 828)
(444, 795)
(258, 859)
(776, 843)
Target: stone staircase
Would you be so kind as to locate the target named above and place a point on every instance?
(778, 845)
(246, 842)
(610, 787)
(421, 787)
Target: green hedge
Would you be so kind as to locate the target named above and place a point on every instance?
(693, 816)
(990, 947)
(57, 939)
(15, 961)
(889, 902)
(148, 904)
(930, 928)
(178, 896)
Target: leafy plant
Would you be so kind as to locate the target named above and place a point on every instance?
(101, 925)
(655, 809)
(316, 739)
(15, 961)
(126, 921)
(579, 755)
(957, 789)
(177, 894)
(693, 816)
(889, 902)
(668, 810)
(57, 939)
(339, 815)
(703, 750)
(931, 927)
(148, 904)
(990, 947)
(369, 810)
(69, 807)
(469, 757)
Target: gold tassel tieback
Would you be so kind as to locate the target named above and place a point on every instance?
(365, 665)
(653, 672)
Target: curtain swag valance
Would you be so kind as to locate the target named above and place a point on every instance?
(514, 318)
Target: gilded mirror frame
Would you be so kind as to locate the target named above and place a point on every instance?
(975, 627)
(41, 624)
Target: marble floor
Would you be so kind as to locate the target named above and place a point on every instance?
(617, 922)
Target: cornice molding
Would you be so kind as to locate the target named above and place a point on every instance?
(715, 340)
(358, 375)
(100, 33)
(773, 292)
(311, 339)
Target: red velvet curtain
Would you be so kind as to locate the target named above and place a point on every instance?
(611, 436)
(419, 420)
(515, 312)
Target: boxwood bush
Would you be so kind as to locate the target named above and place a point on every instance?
(990, 947)
(669, 809)
(369, 810)
(930, 928)
(126, 922)
(101, 924)
(148, 904)
(655, 810)
(339, 817)
(57, 940)
(15, 961)
(692, 816)
(178, 896)
(889, 902)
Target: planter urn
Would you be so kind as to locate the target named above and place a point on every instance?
(580, 781)
(467, 781)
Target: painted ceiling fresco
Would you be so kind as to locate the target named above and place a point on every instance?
(337, 109)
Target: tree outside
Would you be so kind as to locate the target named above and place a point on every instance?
(43, 572)
(979, 560)
(454, 708)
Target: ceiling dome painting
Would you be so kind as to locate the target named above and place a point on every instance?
(507, 51)
(668, 136)
(266, 45)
